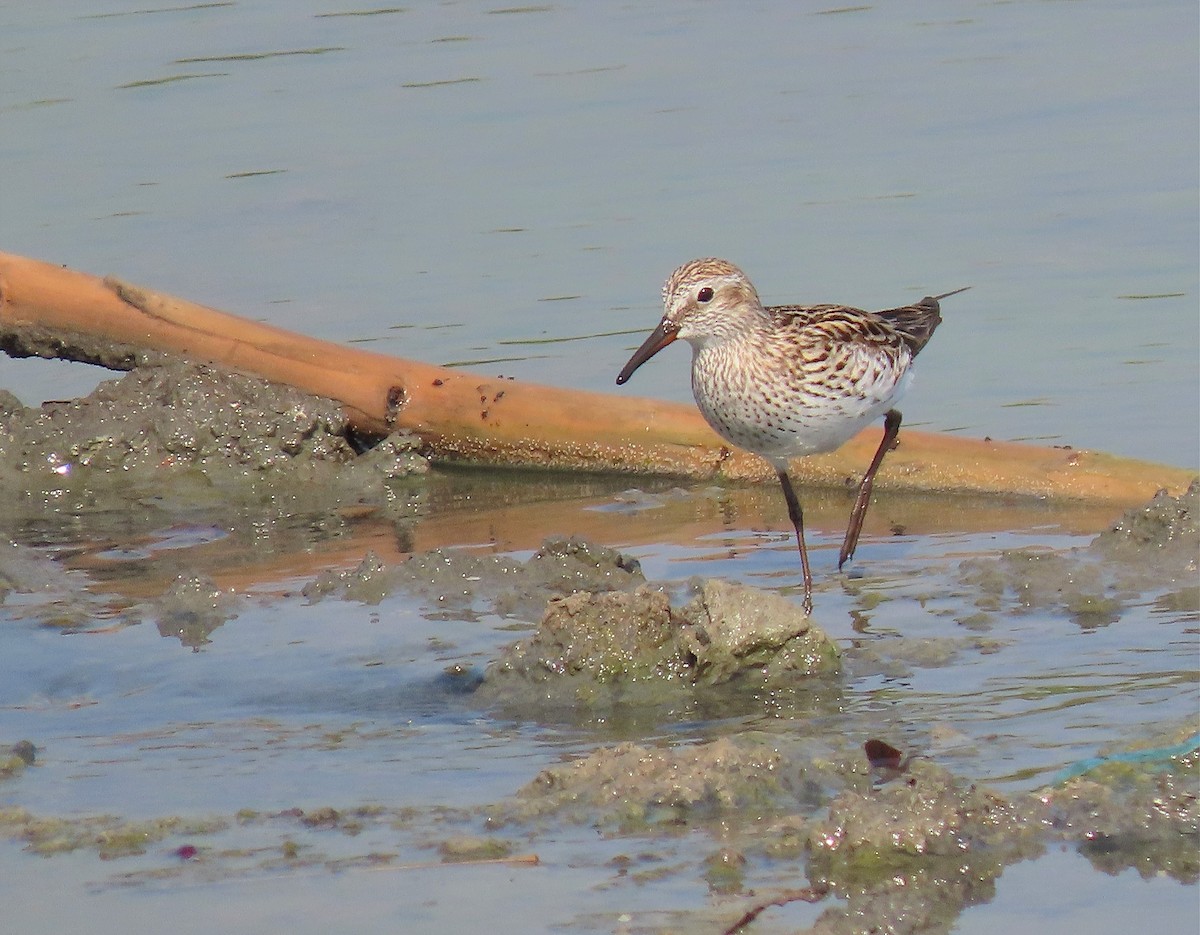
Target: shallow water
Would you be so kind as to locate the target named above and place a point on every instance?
(283, 703)
(507, 191)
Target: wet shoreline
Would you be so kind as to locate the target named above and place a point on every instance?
(599, 650)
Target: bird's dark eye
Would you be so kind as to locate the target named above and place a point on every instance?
(705, 294)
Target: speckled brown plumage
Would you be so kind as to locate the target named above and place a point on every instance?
(790, 380)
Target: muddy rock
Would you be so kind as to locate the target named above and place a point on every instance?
(570, 565)
(595, 648)
(734, 628)
(924, 897)
(928, 812)
(915, 851)
(1151, 828)
(9, 405)
(369, 582)
(615, 637)
(178, 452)
(634, 787)
(926, 844)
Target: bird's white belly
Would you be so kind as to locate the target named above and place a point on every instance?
(783, 422)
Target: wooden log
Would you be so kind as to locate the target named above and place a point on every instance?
(50, 311)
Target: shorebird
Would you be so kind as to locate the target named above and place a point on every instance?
(790, 380)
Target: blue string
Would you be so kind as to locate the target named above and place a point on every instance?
(1190, 745)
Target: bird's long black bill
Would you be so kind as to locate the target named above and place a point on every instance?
(659, 338)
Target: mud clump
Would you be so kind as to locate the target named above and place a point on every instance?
(604, 638)
(733, 630)
(620, 646)
(929, 812)
(1154, 547)
(564, 566)
(924, 845)
(633, 787)
(227, 433)
(914, 847)
(915, 851)
(170, 455)
(1139, 809)
(1163, 535)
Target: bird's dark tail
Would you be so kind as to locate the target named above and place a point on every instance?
(916, 323)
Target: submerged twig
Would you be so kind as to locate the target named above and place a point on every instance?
(809, 894)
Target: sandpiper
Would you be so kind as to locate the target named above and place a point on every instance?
(790, 380)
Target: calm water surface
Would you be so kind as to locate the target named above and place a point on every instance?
(506, 190)
(534, 176)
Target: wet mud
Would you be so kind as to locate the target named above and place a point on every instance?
(189, 443)
(202, 453)
(633, 647)
(1150, 547)
(907, 845)
(175, 423)
(908, 848)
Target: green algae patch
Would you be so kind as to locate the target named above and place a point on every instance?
(108, 836)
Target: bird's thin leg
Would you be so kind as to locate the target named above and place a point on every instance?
(891, 430)
(796, 515)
